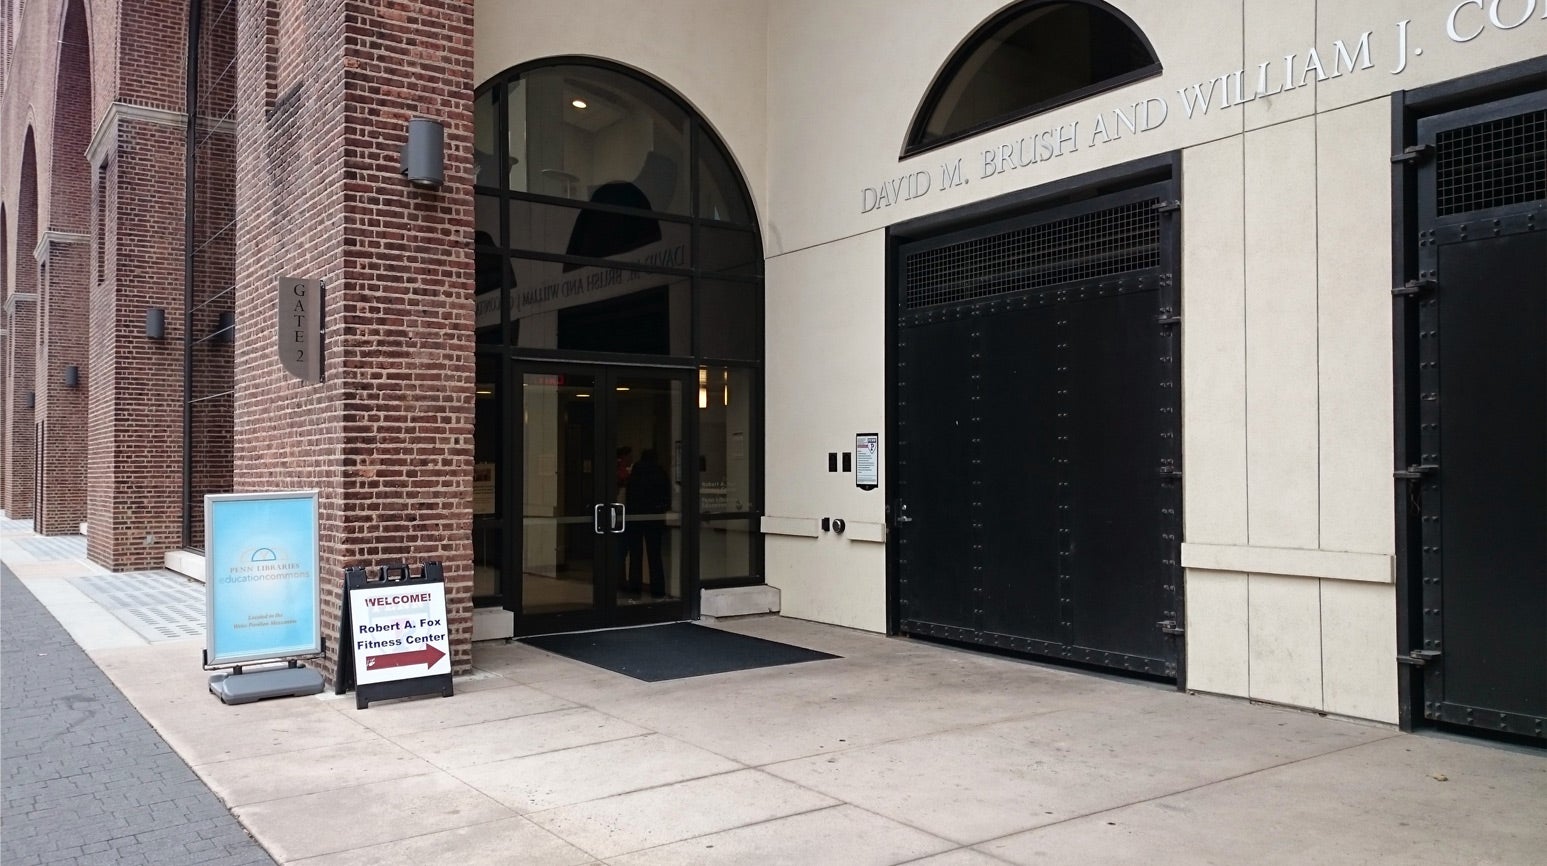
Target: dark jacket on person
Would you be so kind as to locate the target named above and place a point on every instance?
(649, 490)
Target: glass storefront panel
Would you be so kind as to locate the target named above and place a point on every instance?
(597, 164)
(486, 220)
(593, 309)
(618, 141)
(720, 194)
(733, 252)
(647, 441)
(558, 559)
(488, 452)
(485, 144)
(725, 440)
(634, 239)
(730, 319)
(726, 549)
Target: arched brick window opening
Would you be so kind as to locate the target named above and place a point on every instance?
(63, 291)
(209, 260)
(1029, 58)
(21, 344)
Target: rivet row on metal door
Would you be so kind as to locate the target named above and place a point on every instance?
(1478, 491)
(1038, 483)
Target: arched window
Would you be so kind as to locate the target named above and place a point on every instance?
(612, 230)
(1029, 58)
(596, 169)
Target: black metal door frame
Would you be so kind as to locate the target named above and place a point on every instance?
(1042, 204)
(1424, 228)
(605, 612)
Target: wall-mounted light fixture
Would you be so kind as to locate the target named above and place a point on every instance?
(156, 323)
(225, 330)
(72, 376)
(424, 153)
(30, 400)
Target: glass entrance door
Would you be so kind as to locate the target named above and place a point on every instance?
(607, 496)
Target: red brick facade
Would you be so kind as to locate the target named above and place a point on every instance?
(324, 93)
(21, 313)
(387, 435)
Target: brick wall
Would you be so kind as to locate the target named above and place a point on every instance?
(140, 421)
(386, 437)
(61, 410)
(102, 314)
(62, 339)
(21, 342)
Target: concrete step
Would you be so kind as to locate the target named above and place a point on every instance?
(740, 601)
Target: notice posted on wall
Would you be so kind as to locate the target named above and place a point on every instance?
(399, 632)
(867, 460)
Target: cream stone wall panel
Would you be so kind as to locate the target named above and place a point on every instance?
(1354, 327)
(1272, 30)
(712, 54)
(833, 131)
(1213, 344)
(826, 376)
(1359, 649)
(829, 579)
(1281, 321)
(1442, 58)
(1284, 615)
(1217, 632)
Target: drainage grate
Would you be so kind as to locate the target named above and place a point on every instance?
(52, 546)
(158, 605)
(1492, 164)
(7, 525)
(1089, 246)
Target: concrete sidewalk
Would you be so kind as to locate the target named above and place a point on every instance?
(898, 752)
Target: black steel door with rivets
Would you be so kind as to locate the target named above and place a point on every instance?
(1037, 493)
(1480, 488)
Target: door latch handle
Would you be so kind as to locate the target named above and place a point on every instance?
(596, 518)
(617, 517)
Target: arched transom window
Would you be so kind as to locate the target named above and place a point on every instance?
(1029, 58)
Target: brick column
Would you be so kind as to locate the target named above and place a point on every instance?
(64, 260)
(387, 435)
(136, 421)
(21, 314)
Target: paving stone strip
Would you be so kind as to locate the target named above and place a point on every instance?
(86, 779)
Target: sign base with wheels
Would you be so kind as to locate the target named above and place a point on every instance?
(244, 687)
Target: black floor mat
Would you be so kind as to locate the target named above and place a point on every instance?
(668, 652)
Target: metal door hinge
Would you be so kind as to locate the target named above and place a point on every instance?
(1414, 154)
(1169, 626)
(1419, 658)
(1414, 473)
(1166, 206)
(1413, 287)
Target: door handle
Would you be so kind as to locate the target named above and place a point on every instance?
(618, 517)
(596, 518)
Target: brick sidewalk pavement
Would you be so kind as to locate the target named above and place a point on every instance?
(85, 778)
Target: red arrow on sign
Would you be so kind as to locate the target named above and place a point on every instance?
(429, 655)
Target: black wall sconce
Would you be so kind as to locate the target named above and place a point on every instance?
(225, 330)
(30, 400)
(424, 153)
(72, 376)
(156, 323)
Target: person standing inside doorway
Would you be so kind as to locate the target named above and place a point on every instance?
(649, 498)
(625, 464)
